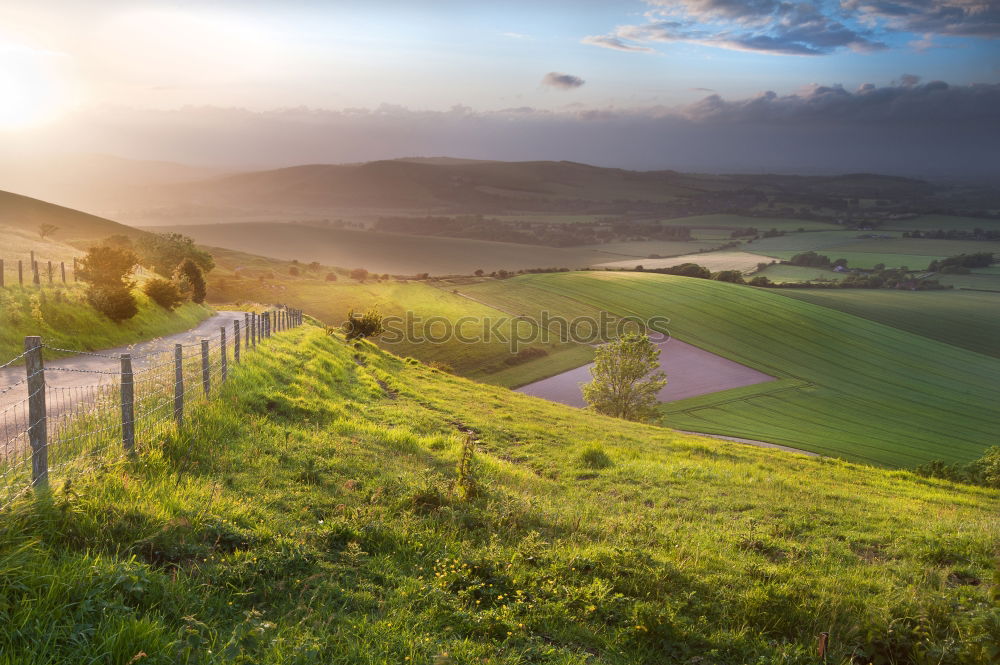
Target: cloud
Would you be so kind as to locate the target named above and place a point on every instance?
(615, 43)
(562, 81)
(782, 27)
(918, 128)
(909, 80)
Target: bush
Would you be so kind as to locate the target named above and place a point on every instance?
(688, 270)
(191, 280)
(164, 293)
(359, 274)
(113, 301)
(331, 277)
(734, 276)
(293, 271)
(594, 457)
(368, 324)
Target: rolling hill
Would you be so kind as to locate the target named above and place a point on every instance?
(848, 386)
(314, 513)
(25, 214)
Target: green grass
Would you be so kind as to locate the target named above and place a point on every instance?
(308, 515)
(915, 253)
(741, 222)
(986, 279)
(61, 315)
(946, 222)
(970, 320)
(849, 387)
(434, 306)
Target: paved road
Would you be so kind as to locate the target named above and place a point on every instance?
(207, 329)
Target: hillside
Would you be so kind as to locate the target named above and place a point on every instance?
(25, 214)
(310, 515)
(848, 386)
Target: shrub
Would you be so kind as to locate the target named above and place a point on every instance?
(331, 277)
(734, 276)
(113, 301)
(689, 270)
(164, 293)
(191, 280)
(368, 324)
(359, 274)
(293, 271)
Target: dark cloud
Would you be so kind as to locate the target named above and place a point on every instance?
(922, 129)
(909, 80)
(967, 18)
(562, 81)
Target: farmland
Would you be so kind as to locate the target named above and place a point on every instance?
(310, 515)
(966, 319)
(915, 253)
(901, 399)
(715, 261)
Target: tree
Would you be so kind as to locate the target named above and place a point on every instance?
(163, 252)
(331, 277)
(164, 293)
(734, 276)
(191, 280)
(359, 274)
(368, 324)
(627, 378)
(107, 272)
(45, 230)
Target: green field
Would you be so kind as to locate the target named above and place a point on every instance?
(788, 273)
(848, 386)
(914, 253)
(985, 279)
(741, 222)
(967, 319)
(946, 222)
(311, 514)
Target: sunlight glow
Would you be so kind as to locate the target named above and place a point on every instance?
(29, 93)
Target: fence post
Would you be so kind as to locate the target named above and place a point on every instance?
(74, 268)
(246, 330)
(35, 279)
(62, 270)
(225, 364)
(236, 341)
(179, 385)
(128, 404)
(50, 273)
(206, 377)
(20, 272)
(1, 274)
(37, 427)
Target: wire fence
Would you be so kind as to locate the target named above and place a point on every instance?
(35, 272)
(83, 413)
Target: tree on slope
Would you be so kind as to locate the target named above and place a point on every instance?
(626, 378)
(191, 280)
(107, 272)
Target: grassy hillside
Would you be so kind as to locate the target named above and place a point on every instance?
(967, 319)
(62, 316)
(310, 515)
(847, 386)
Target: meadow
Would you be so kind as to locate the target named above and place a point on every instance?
(318, 511)
(788, 273)
(914, 253)
(847, 386)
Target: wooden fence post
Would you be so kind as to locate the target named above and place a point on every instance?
(74, 268)
(37, 426)
(246, 331)
(206, 377)
(1, 274)
(50, 273)
(20, 272)
(128, 404)
(236, 341)
(62, 270)
(225, 363)
(179, 385)
(35, 279)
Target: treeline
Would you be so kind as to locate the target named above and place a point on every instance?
(962, 264)
(984, 471)
(550, 234)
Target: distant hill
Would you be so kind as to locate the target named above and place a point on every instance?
(447, 184)
(26, 214)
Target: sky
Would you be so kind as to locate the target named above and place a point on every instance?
(686, 84)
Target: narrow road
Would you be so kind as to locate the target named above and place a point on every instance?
(87, 370)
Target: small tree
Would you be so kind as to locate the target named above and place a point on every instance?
(331, 277)
(359, 274)
(734, 276)
(368, 324)
(626, 378)
(191, 280)
(107, 271)
(45, 230)
(164, 293)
